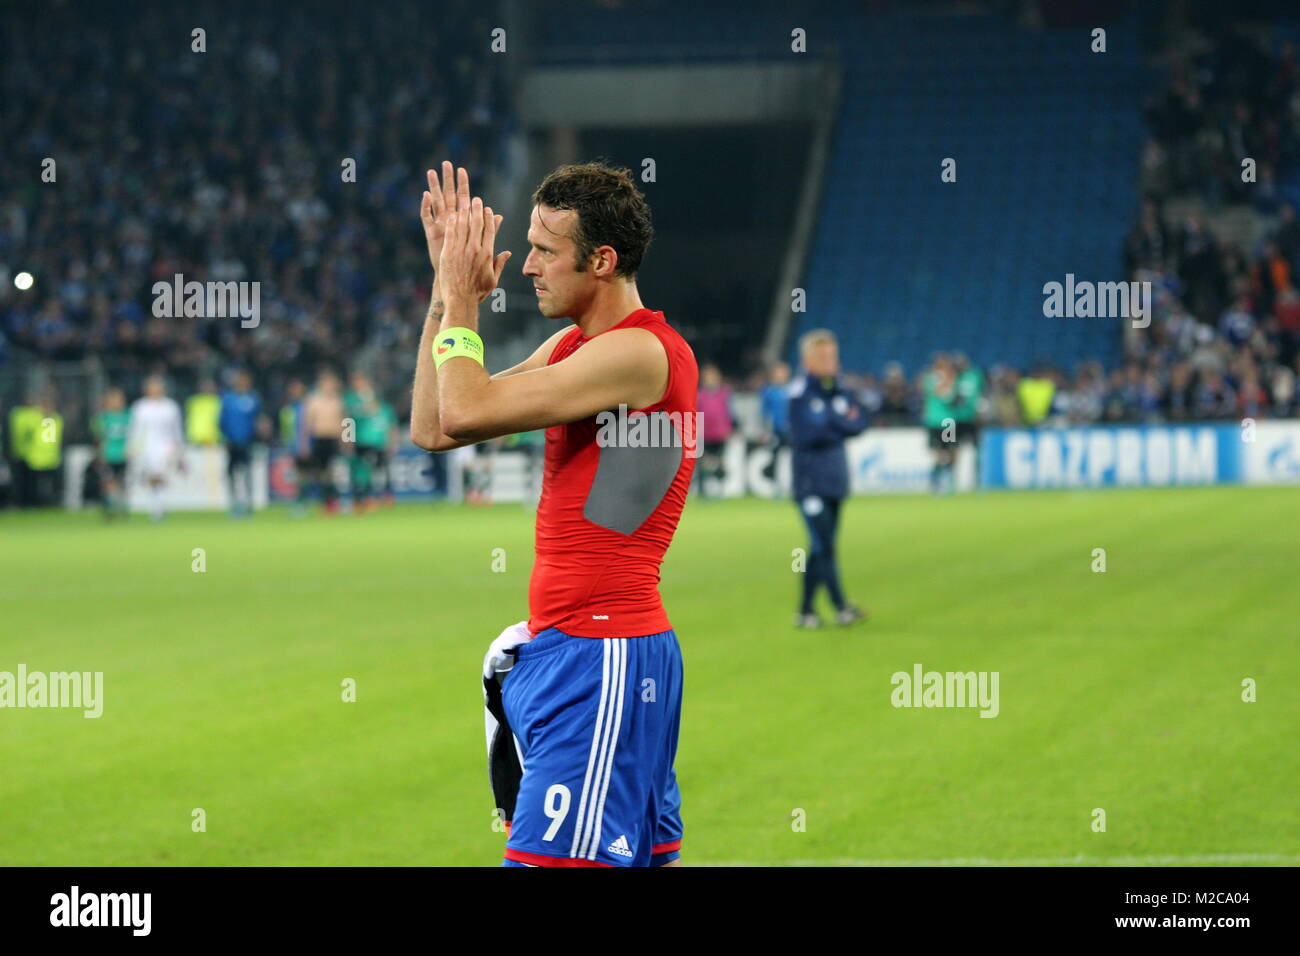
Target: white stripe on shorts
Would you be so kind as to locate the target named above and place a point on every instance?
(609, 766)
(591, 760)
(612, 691)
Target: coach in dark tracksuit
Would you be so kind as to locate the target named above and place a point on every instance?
(822, 415)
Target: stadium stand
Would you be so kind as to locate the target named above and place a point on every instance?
(228, 165)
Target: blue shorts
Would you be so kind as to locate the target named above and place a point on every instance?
(596, 722)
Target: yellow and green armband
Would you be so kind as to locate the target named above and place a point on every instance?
(457, 342)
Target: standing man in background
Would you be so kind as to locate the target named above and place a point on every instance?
(293, 438)
(23, 421)
(376, 423)
(939, 387)
(1036, 391)
(111, 426)
(823, 413)
(156, 442)
(44, 452)
(323, 417)
(717, 422)
(202, 416)
(240, 411)
(970, 388)
(775, 406)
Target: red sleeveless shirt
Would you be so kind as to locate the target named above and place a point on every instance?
(613, 488)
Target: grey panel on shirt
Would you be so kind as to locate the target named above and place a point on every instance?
(629, 484)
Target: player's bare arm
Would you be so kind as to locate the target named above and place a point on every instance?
(622, 367)
(429, 434)
(444, 196)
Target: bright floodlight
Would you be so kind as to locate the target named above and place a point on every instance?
(23, 280)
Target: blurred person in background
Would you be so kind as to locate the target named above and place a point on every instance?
(895, 399)
(1147, 245)
(1213, 398)
(969, 392)
(533, 446)
(717, 421)
(1088, 394)
(155, 442)
(23, 421)
(871, 396)
(1199, 268)
(203, 415)
(1035, 392)
(1004, 397)
(376, 425)
(775, 405)
(1287, 312)
(238, 419)
(1283, 391)
(1270, 276)
(823, 414)
(323, 419)
(111, 428)
(1237, 324)
(1177, 401)
(1287, 235)
(293, 436)
(939, 415)
(1150, 394)
(1062, 401)
(1118, 402)
(44, 452)
(1252, 399)
(478, 469)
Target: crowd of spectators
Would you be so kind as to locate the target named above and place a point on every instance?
(1224, 340)
(1229, 98)
(228, 164)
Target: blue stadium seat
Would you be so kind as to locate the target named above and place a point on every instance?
(1046, 173)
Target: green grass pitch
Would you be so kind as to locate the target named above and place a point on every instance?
(222, 690)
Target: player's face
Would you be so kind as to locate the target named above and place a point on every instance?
(823, 360)
(561, 291)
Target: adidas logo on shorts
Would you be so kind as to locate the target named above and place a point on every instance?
(620, 846)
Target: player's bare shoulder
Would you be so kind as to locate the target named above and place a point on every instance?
(635, 357)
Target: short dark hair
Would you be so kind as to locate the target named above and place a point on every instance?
(611, 211)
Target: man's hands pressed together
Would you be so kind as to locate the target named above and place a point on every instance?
(441, 204)
(467, 270)
(467, 274)
(445, 198)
